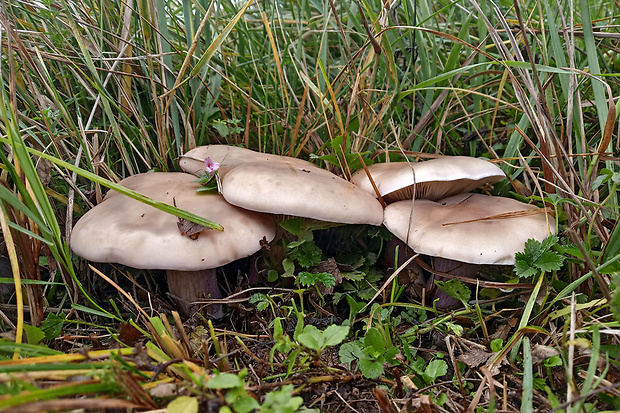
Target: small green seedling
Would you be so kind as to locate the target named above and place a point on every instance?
(371, 354)
(280, 401)
(307, 341)
(317, 340)
(237, 398)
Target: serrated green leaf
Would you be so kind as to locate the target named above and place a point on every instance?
(327, 279)
(257, 297)
(454, 288)
(524, 259)
(308, 279)
(532, 250)
(549, 242)
(366, 294)
(353, 275)
(524, 270)
(307, 254)
(52, 326)
(549, 261)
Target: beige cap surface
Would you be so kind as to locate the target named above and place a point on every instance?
(125, 231)
(440, 229)
(285, 188)
(433, 179)
(232, 156)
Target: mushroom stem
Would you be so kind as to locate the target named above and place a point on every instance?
(187, 287)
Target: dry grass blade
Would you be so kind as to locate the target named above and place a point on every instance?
(69, 404)
(506, 215)
(16, 279)
(120, 290)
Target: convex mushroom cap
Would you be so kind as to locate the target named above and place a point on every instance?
(433, 179)
(472, 228)
(125, 231)
(288, 189)
(229, 157)
(284, 185)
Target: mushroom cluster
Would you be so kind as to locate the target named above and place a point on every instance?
(431, 210)
(255, 187)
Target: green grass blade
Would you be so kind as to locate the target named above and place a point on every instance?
(128, 192)
(219, 40)
(592, 54)
(56, 392)
(527, 397)
(527, 312)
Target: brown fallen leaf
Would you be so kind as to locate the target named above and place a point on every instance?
(475, 357)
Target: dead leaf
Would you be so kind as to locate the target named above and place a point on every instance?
(541, 353)
(330, 266)
(129, 334)
(162, 390)
(426, 405)
(475, 357)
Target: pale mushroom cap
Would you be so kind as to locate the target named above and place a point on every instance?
(483, 241)
(125, 231)
(434, 179)
(230, 157)
(284, 188)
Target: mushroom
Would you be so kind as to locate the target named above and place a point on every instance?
(288, 189)
(468, 228)
(284, 185)
(433, 179)
(125, 231)
(229, 157)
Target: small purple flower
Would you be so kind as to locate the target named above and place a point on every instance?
(210, 166)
